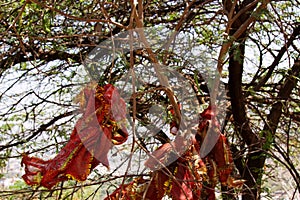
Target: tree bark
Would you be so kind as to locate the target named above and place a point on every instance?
(252, 170)
(241, 122)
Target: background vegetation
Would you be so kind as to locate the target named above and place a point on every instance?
(253, 43)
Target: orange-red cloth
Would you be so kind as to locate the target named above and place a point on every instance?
(101, 126)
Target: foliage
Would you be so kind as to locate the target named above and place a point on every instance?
(45, 47)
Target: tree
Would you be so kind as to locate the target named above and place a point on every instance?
(48, 52)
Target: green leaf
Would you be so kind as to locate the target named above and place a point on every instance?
(47, 22)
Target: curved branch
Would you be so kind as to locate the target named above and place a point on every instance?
(75, 17)
(39, 130)
(284, 93)
(277, 59)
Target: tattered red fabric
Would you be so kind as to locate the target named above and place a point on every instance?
(167, 153)
(133, 190)
(219, 161)
(189, 177)
(101, 126)
(220, 156)
(182, 180)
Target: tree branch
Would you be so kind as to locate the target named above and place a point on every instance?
(39, 130)
(277, 59)
(284, 93)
